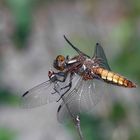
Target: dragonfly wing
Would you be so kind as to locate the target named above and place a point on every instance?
(39, 95)
(82, 98)
(69, 102)
(75, 48)
(89, 95)
(99, 54)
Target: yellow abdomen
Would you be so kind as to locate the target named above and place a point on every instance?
(113, 78)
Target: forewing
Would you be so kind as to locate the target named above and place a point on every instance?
(82, 98)
(100, 56)
(39, 95)
(75, 48)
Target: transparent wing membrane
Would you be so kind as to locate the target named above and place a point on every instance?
(84, 96)
(100, 56)
(39, 95)
(76, 49)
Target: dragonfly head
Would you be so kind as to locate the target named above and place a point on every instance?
(59, 63)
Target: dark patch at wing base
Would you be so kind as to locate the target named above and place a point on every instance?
(25, 93)
(59, 109)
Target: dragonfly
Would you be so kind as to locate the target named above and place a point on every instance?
(76, 81)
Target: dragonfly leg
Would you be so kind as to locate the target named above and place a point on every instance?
(59, 77)
(70, 82)
(67, 86)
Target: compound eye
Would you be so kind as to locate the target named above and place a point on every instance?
(60, 58)
(59, 62)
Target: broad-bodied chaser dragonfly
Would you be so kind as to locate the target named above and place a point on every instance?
(80, 72)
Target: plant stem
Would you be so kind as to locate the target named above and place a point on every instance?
(76, 121)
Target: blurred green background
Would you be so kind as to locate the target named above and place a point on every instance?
(31, 35)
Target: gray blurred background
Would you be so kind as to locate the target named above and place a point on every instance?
(31, 35)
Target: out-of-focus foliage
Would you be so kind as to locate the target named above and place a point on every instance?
(22, 12)
(118, 113)
(91, 127)
(134, 135)
(7, 134)
(103, 128)
(127, 60)
(6, 97)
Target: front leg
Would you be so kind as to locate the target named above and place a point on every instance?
(57, 77)
(67, 86)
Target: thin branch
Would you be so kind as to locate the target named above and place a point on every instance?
(76, 120)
